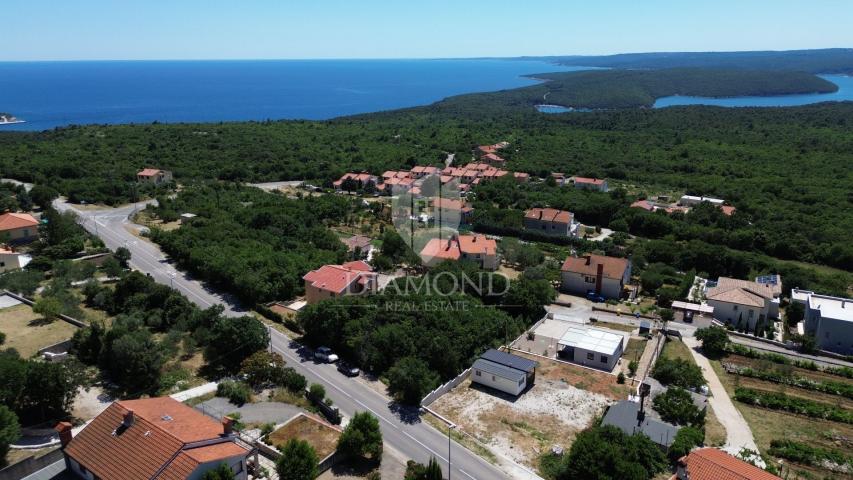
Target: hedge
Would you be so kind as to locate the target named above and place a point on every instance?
(780, 401)
(805, 454)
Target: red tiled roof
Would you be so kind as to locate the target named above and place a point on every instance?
(156, 439)
(358, 265)
(148, 172)
(491, 157)
(591, 181)
(450, 204)
(728, 210)
(358, 177)
(644, 204)
(588, 265)
(714, 464)
(445, 249)
(336, 278)
(549, 215)
(11, 221)
(473, 244)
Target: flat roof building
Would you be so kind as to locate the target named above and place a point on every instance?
(829, 319)
(591, 347)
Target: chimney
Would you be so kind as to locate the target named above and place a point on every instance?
(599, 276)
(588, 259)
(227, 425)
(645, 390)
(128, 418)
(681, 469)
(65, 436)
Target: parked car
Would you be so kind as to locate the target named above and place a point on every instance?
(324, 354)
(348, 369)
(688, 316)
(594, 297)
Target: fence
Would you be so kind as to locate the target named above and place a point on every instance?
(30, 465)
(71, 320)
(433, 395)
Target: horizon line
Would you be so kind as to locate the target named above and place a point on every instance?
(480, 57)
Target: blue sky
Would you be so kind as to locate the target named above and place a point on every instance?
(251, 29)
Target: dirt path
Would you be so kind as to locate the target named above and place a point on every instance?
(738, 433)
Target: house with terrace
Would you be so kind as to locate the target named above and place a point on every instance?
(743, 303)
(552, 222)
(598, 274)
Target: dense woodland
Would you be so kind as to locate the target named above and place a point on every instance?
(787, 170)
(597, 89)
(828, 60)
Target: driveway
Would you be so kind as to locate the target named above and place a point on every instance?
(261, 412)
(738, 433)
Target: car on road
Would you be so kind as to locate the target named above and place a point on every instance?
(688, 316)
(594, 297)
(348, 369)
(324, 354)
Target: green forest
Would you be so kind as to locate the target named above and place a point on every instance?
(787, 170)
(828, 60)
(599, 89)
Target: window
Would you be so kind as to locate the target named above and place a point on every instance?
(751, 313)
(604, 359)
(588, 279)
(590, 356)
(2, 264)
(734, 308)
(494, 379)
(521, 382)
(477, 373)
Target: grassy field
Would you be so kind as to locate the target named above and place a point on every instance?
(674, 348)
(318, 434)
(634, 349)
(27, 332)
(768, 425)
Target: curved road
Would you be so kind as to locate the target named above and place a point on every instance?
(401, 428)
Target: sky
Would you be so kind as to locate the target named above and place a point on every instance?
(300, 29)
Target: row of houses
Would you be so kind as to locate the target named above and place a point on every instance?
(684, 204)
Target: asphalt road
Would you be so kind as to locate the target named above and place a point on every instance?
(401, 428)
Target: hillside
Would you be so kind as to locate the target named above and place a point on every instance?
(830, 60)
(599, 89)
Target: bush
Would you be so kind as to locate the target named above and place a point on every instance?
(714, 340)
(600, 453)
(620, 379)
(684, 441)
(675, 405)
(10, 430)
(316, 393)
(805, 454)
(410, 379)
(802, 406)
(678, 372)
(362, 437)
(293, 381)
(237, 393)
(298, 461)
(633, 365)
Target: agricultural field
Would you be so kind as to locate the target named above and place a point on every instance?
(775, 425)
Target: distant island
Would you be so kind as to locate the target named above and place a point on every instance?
(619, 89)
(9, 118)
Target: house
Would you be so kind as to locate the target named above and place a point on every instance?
(154, 176)
(591, 347)
(590, 183)
(493, 160)
(330, 281)
(358, 242)
(355, 181)
(631, 418)
(692, 201)
(503, 371)
(743, 302)
(187, 218)
(11, 260)
(828, 319)
(421, 171)
(645, 205)
(152, 438)
(474, 248)
(18, 227)
(450, 209)
(550, 221)
(484, 150)
(714, 464)
(521, 177)
(606, 276)
(559, 178)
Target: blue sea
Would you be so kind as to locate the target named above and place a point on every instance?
(54, 94)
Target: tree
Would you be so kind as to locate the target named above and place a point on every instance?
(232, 340)
(684, 441)
(221, 472)
(13, 371)
(43, 195)
(794, 314)
(112, 267)
(48, 307)
(122, 255)
(679, 372)
(135, 360)
(666, 315)
(263, 368)
(620, 379)
(410, 379)
(527, 297)
(714, 340)
(676, 405)
(298, 461)
(633, 365)
(606, 453)
(362, 437)
(10, 430)
(49, 390)
(419, 471)
(317, 392)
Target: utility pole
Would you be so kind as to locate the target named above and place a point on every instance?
(449, 428)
